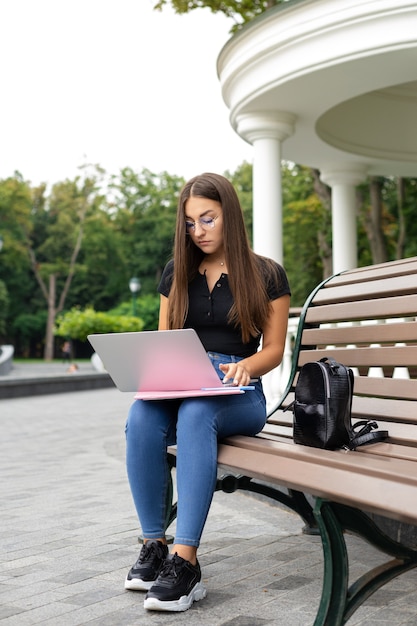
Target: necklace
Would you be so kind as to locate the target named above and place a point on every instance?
(205, 266)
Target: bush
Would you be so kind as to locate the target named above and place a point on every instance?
(77, 324)
(29, 333)
(147, 307)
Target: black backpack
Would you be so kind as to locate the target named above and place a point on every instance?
(322, 408)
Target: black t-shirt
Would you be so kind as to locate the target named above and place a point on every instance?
(208, 312)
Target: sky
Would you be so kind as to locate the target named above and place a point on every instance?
(112, 82)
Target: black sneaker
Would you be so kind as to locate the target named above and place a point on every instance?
(177, 586)
(146, 569)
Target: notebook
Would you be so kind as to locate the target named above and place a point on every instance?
(160, 364)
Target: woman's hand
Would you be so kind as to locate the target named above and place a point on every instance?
(273, 344)
(235, 372)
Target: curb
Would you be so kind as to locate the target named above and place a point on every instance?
(23, 387)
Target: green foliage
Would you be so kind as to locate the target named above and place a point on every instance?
(28, 325)
(241, 179)
(29, 329)
(146, 208)
(128, 231)
(147, 308)
(77, 324)
(16, 222)
(4, 303)
(16, 198)
(102, 275)
(59, 222)
(305, 222)
(301, 249)
(397, 221)
(241, 11)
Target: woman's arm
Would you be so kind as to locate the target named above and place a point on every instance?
(163, 313)
(273, 344)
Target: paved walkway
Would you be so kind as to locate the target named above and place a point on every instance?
(68, 534)
(43, 369)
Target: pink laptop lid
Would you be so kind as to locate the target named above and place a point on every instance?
(159, 364)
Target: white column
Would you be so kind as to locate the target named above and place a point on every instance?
(343, 181)
(266, 131)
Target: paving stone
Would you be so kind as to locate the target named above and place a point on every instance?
(69, 534)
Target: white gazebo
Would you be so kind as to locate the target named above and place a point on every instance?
(330, 84)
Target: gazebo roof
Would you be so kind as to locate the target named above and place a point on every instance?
(345, 72)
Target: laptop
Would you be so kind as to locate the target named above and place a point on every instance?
(160, 364)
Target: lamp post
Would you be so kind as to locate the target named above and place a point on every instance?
(134, 286)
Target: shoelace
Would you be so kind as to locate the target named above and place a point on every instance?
(169, 569)
(150, 552)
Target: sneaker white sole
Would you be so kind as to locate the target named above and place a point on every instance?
(198, 592)
(137, 584)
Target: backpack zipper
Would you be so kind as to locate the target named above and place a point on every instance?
(326, 378)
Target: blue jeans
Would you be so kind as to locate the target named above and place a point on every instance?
(195, 425)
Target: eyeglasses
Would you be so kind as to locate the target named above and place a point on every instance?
(206, 223)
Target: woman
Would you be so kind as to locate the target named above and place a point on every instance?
(231, 297)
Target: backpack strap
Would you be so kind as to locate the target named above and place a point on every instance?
(332, 363)
(365, 434)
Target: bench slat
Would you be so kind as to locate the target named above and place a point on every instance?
(384, 408)
(386, 387)
(380, 478)
(399, 432)
(329, 475)
(408, 453)
(385, 355)
(376, 333)
(276, 431)
(374, 272)
(403, 448)
(380, 467)
(405, 306)
(367, 289)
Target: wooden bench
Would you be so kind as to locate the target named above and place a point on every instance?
(366, 319)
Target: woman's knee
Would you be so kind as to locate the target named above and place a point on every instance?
(139, 418)
(150, 422)
(196, 418)
(135, 415)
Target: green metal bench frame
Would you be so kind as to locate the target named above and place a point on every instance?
(331, 520)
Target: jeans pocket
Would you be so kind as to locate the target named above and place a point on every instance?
(218, 358)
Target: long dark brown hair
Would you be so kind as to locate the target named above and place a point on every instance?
(245, 274)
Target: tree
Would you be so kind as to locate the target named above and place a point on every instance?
(102, 275)
(145, 213)
(4, 303)
(306, 230)
(324, 233)
(307, 223)
(374, 221)
(125, 227)
(55, 244)
(241, 11)
(387, 219)
(241, 179)
(29, 332)
(408, 203)
(15, 225)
